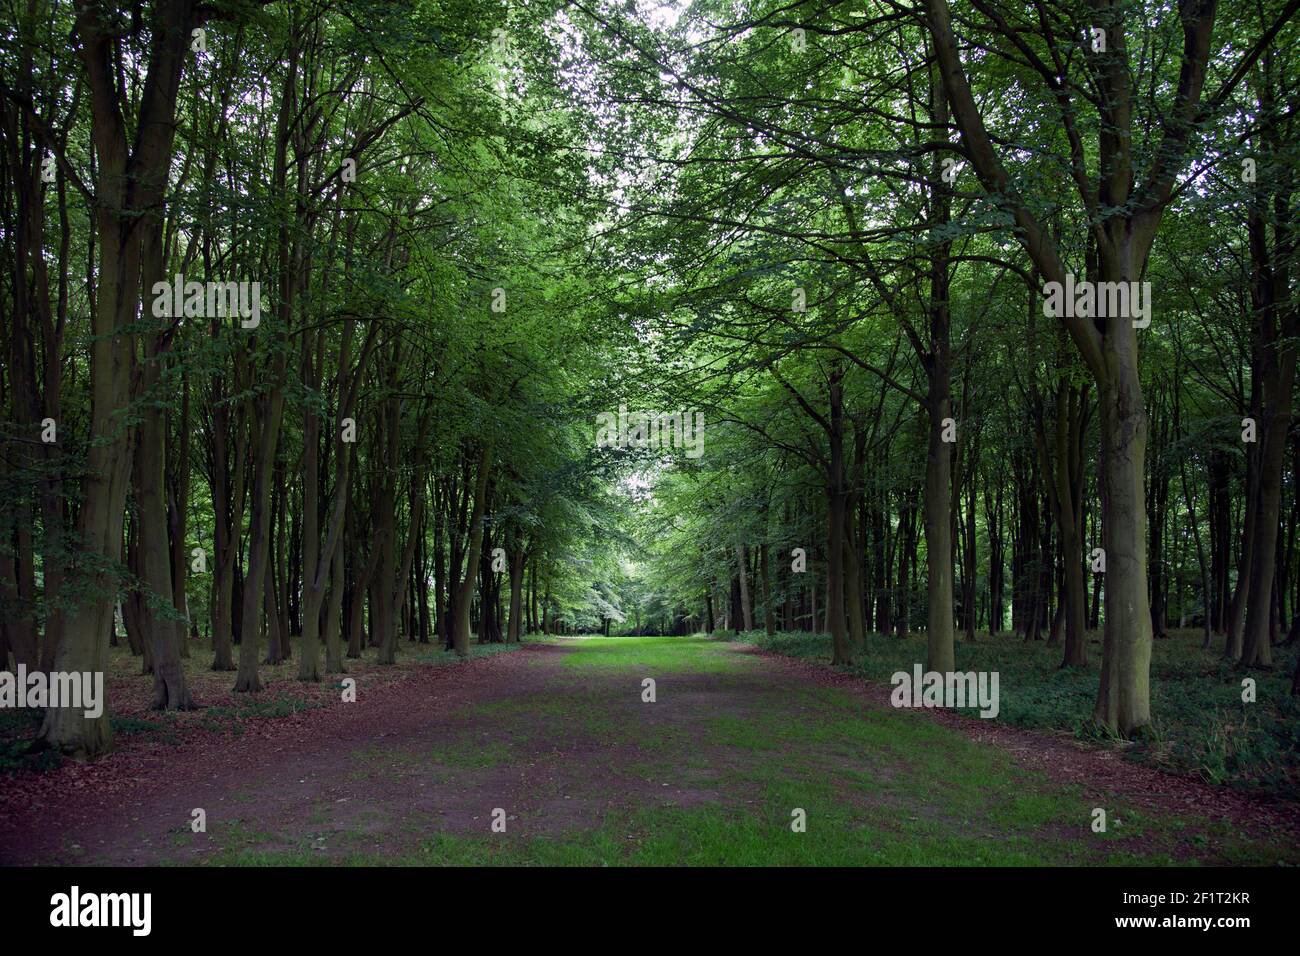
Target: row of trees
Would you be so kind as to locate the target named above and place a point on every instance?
(861, 215)
(387, 445)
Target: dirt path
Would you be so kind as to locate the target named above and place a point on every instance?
(273, 780)
(559, 739)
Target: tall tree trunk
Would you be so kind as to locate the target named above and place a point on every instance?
(271, 408)
(836, 507)
(129, 199)
(162, 629)
(1124, 696)
(1277, 327)
(460, 629)
(514, 629)
(940, 652)
(746, 609)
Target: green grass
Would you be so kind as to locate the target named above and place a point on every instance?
(1200, 724)
(879, 787)
(836, 835)
(653, 655)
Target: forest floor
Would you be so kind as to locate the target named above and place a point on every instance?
(555, 739)
(1201, 726)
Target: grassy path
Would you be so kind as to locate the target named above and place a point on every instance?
(558, 737)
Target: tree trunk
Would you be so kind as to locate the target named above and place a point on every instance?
(129, 199)
(515, 628)
(164, 632)
(460, 629)
(1124, 695)
(746, 610)
(1277, 327)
